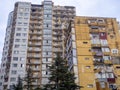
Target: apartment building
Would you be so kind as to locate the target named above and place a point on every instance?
(33, 36)
(93, 52)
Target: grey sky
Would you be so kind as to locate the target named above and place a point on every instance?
(103, 8)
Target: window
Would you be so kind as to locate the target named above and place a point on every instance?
(88, 67)
(23, 46)
(21, 9)
(114, 51)
(0, 84)
(94, 27)
(16, 52)
(26, 9)
(15, 58)
(26, 14)
(25, 29)
(19, 17)
(18, 34)
(73, 37)
(43, 72)
(19, 23)
(23, 40)
(22, 65)
(74, 61)
(36, 66)
(102, 84)
(17, 46)
(22, 52)
(106, 57)
(110, 75)
(100, 20)
(20, 13)
(90, 85)
(17, 40)
(102, 34)
(25, 24)
(43, 66)
(105, 50)
(85, 42)
(104, 42)
(18, 29)
(22, 58)
(12, 79)
(24, 34)
(74, 44)
(13, 72)
(86, 58)
(14, 65)
(26, 18)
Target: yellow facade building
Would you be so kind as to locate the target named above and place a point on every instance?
(94, 44)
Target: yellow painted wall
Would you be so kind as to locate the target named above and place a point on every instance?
(84, 54)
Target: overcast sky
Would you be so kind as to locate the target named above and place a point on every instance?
(101, 8)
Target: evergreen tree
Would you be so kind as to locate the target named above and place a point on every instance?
(19, 85)
(28, 79)
(61, 78)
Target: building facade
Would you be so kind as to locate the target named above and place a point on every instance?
(33, 36)
(93, 52)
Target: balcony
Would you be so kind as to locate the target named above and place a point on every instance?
(92, 22)
(34, 44)
(111, 80)
(107, 61)
(97, 70)
(37, 49)
(34, 56)
(95, 45)
(36, 69)
(35, 38)
(36, 33)
(102, 79)
(98, 62)
(106, 53)
(94, 30)
(102, 30)
(57, 50)
(98, 53)
(101, 23)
